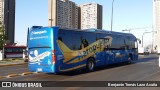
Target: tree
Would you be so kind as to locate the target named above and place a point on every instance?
(3, 37)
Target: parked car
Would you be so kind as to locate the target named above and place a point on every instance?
(146, 52)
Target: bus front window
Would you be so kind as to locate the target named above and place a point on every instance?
(136, 44)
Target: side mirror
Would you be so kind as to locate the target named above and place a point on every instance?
(139, 40)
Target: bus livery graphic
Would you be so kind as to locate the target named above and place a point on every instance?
(84, 53)
(90, 51)
(37, 57)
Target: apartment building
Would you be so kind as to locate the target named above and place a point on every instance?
(91, 16)
(7, 18)
(156, 24)
(63, 13)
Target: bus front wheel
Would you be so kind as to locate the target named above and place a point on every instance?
(90, 64)
(129, 59)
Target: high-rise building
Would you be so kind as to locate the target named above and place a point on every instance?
(156, 24)
(1, 12)
(7, 18)
(91, 16)
(63, 13)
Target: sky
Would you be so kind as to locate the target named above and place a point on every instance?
(128, 14)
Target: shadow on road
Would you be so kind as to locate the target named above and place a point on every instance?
(101, 68)
(146, 59)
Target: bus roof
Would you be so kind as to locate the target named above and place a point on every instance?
(88, 30)
(100, 31)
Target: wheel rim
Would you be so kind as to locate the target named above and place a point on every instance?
(91, 65)
(129, 60)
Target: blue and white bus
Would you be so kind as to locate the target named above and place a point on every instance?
(54, 50)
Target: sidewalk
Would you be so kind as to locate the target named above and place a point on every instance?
(12, 62)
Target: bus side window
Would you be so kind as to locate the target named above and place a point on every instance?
(66, 37)
(77, 41)
(84, 43)
(132, 43)
(89, 38)
(127, 43)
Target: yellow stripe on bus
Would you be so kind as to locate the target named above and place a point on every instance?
(80, 66)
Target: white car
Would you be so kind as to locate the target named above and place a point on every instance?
(140, 50)
(146, 51)
(25, 55)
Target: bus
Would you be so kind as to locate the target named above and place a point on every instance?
(55, 50)
(13, 51)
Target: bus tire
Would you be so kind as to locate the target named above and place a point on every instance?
(129, 58)
(90, 64)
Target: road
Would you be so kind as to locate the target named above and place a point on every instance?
(16, 69)
(145, 69)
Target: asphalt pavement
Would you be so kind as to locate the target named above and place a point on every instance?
(12, 62)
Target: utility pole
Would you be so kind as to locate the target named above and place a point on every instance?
(51, 19)
(112, 15)
(144, 34)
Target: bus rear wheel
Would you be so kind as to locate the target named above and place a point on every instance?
(90, 64)
(129, 59)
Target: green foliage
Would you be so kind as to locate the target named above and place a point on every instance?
(3, 37)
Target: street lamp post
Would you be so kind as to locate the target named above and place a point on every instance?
(112, 15)
(51, 19)
(144, 34)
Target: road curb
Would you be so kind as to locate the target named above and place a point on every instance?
(12, 64)
(1, 77)
(12, 75)
(16, 75)
(27, 73)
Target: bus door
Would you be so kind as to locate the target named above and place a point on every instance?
(106, 55)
